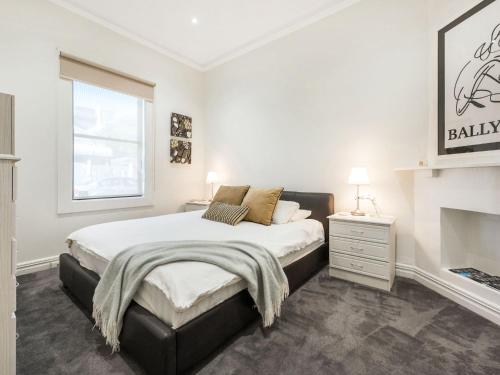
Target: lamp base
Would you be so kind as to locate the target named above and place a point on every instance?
(357, 212)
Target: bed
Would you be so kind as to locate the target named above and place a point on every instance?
(177, 320)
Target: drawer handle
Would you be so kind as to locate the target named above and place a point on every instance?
(358, 232)
(357, 266)
(360, 249)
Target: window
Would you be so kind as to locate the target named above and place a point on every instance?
(105, 138)
(108, 143)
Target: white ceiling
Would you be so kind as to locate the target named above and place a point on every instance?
(225, 28)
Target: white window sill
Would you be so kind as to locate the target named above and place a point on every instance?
(74, 206)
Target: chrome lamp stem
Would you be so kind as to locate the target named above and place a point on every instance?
(357, 211)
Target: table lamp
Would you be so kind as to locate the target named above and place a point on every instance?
(211, 179)
(358, 176)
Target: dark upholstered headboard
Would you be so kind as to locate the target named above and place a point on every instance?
(321, 205)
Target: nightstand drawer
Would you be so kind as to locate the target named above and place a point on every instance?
(358, 265)
(359, 248)
(359, 231)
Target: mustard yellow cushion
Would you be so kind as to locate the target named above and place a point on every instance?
(231, 194)
(261, 204)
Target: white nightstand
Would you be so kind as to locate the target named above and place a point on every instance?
(363, 249)
(196, 205)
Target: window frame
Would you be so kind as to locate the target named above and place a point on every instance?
(65, 158)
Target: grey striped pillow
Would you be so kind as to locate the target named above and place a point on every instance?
(225, 213)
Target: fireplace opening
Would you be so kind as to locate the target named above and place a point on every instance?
(470, 243)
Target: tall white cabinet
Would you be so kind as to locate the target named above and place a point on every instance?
(8, 258)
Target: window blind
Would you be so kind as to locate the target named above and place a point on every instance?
(77, 69)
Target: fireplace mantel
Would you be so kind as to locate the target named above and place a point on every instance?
(433, 170)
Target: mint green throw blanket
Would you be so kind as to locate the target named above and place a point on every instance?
(267, 283)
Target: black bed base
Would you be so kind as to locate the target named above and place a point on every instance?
(161, 350)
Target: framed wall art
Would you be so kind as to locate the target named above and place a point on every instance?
(469, 81)
(180, 151)
(181, 126)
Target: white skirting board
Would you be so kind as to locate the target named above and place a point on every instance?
(464, 298)
(458, 295)
(37, 265)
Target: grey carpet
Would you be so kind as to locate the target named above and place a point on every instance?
(327, 327)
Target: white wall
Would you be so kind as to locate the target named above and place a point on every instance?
(350, 90)
(30, 33)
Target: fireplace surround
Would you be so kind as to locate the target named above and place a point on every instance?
(457, 224)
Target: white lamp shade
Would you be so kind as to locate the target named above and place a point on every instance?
(211, 177)
(359, 176)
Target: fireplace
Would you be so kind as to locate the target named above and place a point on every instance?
(457, 224)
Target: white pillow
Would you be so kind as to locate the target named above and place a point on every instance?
(284, 211)
(301, 215)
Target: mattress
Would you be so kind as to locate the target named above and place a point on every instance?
(178, 292)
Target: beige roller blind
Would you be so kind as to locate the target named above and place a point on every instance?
(74, 68)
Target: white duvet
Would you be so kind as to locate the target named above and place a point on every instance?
(184, 283)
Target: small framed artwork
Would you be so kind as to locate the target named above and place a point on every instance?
(181, 126)
(180, 151)
(469, 81)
